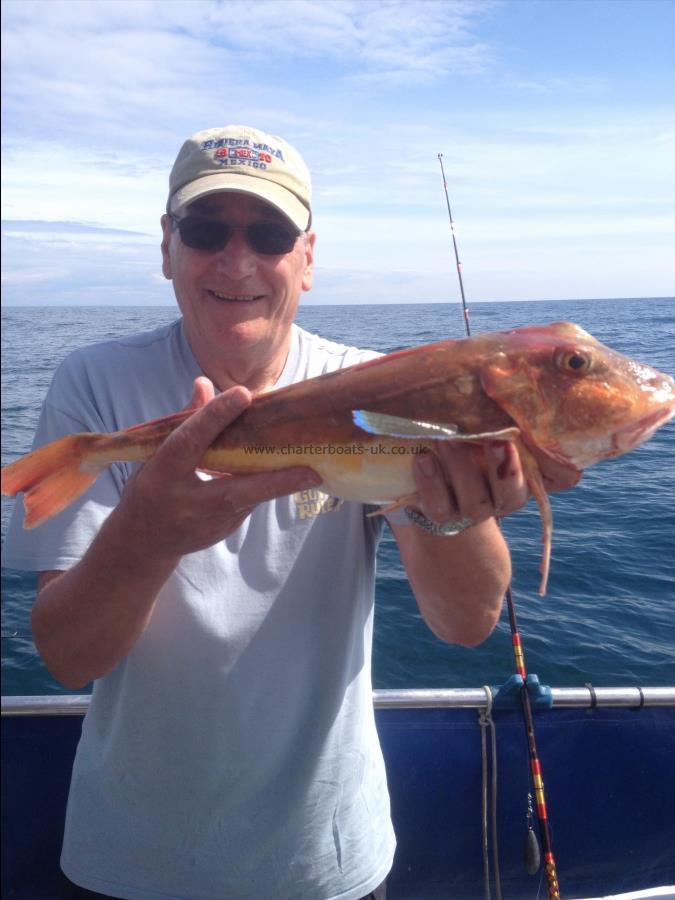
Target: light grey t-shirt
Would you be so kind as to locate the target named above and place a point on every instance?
(233, 752)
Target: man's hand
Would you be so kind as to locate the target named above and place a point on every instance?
(459, 582)
(453, 485)
(87, 619)
(171, 510)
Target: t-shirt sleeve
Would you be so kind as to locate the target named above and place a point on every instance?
(61, 541)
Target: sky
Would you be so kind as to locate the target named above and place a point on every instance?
(555, 118)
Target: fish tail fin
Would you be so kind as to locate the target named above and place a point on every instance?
(55, 475)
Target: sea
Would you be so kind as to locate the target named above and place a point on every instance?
(609, 616)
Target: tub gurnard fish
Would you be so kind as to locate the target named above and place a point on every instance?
(560, 395)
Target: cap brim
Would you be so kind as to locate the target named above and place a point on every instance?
(274, 194)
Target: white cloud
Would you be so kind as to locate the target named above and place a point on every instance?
(46, 274)
(69, 264)
(566, 85)
(370, 92)
(153, 46)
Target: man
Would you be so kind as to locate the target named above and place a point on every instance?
(230, 749)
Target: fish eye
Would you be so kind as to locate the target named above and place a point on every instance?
(575, 361)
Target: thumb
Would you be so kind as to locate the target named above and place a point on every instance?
(202, 392)
(184, 448)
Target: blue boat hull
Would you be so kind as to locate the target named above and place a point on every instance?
(609, 775)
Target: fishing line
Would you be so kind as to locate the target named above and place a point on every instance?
(550, 869)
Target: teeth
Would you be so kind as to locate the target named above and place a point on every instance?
(241, 298)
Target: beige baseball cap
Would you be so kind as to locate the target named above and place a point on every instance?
(239, 158)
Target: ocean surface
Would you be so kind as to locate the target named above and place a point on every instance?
(609, 616)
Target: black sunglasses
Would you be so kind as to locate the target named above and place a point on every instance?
(270, 238)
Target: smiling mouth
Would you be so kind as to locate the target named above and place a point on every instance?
(236, 298)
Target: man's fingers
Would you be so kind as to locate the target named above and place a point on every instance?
(435, 499)
(455, 484)
(506, 478)
(241, 493)
(184, 449)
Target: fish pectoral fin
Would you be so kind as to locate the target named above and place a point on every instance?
(535, 482)
(399, 427)
(503, 434)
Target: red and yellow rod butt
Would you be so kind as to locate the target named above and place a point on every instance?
(538, 783)
(518, 653)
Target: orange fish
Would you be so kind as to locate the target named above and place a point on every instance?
(561, 396)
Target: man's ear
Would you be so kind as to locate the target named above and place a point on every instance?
(308, 271)
(165, 222)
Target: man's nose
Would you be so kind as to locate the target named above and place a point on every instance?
(237, 259)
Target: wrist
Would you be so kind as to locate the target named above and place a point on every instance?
(129, 541)
(447, 529)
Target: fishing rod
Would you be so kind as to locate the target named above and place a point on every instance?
(550, 869)
(454, 244)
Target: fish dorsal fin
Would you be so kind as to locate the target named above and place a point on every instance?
(399, 427)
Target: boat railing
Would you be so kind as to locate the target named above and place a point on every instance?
(504, 696)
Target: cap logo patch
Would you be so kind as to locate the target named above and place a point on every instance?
(242, 152)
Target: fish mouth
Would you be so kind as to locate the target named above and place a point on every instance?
(636, 433)
(234, 298)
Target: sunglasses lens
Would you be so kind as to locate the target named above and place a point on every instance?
(204, 234)
(271, 238)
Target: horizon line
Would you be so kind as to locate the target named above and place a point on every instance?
(9, 305)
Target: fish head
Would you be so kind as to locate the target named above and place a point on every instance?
(574, 399)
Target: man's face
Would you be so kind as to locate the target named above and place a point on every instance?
(236, 301)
